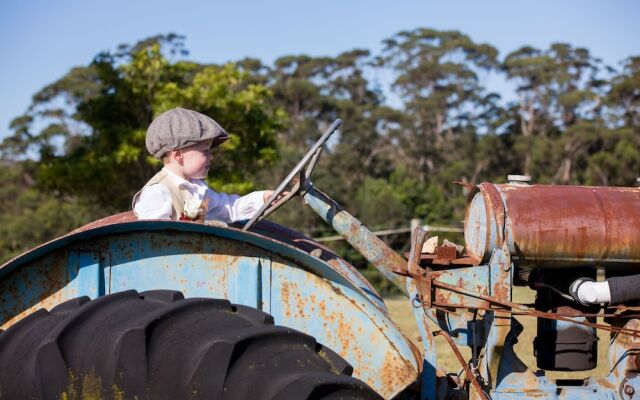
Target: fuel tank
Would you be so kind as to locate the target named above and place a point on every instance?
(555, 226)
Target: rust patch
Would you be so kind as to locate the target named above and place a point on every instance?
(394, 372)
(445, 254)
(46, 276)
(285, 294)
(128, 216)
(501, 291)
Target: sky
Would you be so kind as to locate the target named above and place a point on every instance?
(40, 40)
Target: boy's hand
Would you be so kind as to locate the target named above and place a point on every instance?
(268, 193)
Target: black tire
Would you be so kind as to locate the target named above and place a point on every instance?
(158, 345)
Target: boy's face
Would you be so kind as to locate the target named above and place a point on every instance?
(196, 160)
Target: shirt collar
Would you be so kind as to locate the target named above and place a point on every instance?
(180, 181)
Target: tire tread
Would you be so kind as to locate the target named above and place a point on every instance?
(159, 345)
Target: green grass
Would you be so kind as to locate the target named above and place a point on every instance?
(401, 312)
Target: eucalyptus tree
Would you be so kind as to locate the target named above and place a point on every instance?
(437, 76)
(616, 158)
(624, 96)
(560, 95)
(315, 90)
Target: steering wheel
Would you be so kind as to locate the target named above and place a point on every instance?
(299, 171)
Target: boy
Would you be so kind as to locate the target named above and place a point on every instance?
(183, 139)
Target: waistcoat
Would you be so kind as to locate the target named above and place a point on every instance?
(178, 196)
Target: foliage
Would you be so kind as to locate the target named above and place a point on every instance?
(29, 217)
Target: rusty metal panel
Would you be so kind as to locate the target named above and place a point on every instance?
(624, 355)
(157, 260)
(300, 290)
(41, 284)
(526, 385)
(294, 238)
(475, 279)
(86, 271)
(244, 280)
(356, 330)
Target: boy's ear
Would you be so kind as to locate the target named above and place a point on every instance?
(177, 155)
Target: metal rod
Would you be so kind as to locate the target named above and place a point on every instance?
(507, 305)
(474, 342)
(374, 250)
(472, 379)
(443, 306)
(536, 313)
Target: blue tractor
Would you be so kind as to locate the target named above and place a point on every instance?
(126, 309)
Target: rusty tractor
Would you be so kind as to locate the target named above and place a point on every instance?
(126, 308)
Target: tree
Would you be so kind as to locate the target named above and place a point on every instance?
(557, 89)
(624, 96)
(438, 78)
(314, 91)
(437, 75)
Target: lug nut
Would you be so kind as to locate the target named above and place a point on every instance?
(629, 390)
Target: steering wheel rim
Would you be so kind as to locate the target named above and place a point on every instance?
(309, 161)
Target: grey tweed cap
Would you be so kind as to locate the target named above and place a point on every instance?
(178, 128)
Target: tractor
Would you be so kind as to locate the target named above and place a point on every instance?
(123, 308)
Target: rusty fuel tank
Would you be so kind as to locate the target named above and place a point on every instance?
(548, 225)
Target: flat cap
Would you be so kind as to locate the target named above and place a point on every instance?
(178, 128)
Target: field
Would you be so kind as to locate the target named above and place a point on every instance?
(400, 310)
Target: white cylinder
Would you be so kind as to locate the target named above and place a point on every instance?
(594, 292)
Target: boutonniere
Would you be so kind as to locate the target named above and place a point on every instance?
(194, 210)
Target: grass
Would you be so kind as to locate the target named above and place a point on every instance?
(401, 312)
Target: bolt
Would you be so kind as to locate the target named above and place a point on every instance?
(629, 390)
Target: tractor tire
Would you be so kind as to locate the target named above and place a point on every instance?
(159, 345)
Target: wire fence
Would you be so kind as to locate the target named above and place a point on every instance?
(428, 228)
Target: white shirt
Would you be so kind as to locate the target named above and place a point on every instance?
(155, 201)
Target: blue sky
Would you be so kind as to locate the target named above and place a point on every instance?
(40, 40)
